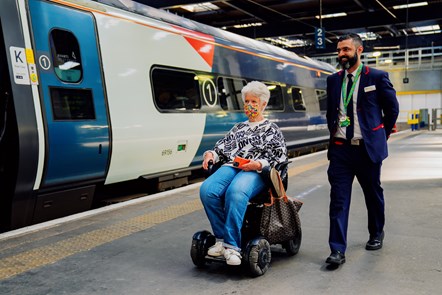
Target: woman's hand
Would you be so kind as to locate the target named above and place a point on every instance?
(252, 166)
(207, 158)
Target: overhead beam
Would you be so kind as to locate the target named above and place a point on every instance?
(170, 3)
(356, 20)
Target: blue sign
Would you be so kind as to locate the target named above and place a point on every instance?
(320, 38)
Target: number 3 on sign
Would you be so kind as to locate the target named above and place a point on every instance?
(320, 38)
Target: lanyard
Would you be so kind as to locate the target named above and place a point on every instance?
(346, 99)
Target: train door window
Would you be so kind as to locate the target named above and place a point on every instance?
(322, 99)
(297, 99)
(275, 102)
(72, 104)
(229, 93)
(66, 56)
(175, 90)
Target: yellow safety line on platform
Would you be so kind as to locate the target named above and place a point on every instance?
(298, 170)
(13, 265)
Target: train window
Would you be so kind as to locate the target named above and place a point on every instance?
(175, 90)
(322, 99)
(229, 93)
(298, 100)
(275, 101)
(72, 104)
(66, 56)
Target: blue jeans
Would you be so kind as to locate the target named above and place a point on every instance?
(225, 195)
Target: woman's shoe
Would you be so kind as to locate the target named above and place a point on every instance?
(216, 250)
(232, 257)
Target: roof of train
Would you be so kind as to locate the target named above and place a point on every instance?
(245, 42)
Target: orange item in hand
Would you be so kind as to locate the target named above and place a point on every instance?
(238, 162)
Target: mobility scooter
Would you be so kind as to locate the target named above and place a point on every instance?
(256, 252)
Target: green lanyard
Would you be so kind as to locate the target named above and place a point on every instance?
(346, 99)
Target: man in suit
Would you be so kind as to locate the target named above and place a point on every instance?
(362, 109)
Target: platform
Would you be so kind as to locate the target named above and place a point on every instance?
(142, 246)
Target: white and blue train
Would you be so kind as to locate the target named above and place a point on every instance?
(94, 93)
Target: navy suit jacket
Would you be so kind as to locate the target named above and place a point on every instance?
(377, 109)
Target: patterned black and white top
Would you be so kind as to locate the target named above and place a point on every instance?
(260, 141)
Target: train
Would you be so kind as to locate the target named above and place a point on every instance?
(100, 93)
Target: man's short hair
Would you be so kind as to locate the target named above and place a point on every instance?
(355, 37)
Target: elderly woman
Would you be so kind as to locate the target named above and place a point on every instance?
(226, 193)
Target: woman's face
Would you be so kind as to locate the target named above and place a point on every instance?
(253, 106)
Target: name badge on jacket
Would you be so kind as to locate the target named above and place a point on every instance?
(370, 88)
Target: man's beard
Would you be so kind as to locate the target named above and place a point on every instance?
(351, 61)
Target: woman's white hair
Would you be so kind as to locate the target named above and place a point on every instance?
(257, 89)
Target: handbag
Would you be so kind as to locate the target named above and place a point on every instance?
(280, 220)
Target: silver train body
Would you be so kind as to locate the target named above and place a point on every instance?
(95, 93)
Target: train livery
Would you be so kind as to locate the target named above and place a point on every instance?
(94, 93)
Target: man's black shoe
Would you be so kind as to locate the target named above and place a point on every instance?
(336, 258)
(375, 243)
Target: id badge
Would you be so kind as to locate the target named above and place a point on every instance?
(344, 122)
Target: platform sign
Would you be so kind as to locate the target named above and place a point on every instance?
(320, 38)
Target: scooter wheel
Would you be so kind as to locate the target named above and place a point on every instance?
(201, 242)
(292, 246)
(258, 257)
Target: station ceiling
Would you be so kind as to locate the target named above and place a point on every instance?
(294, 22)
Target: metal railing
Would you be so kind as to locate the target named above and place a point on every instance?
(428, 58)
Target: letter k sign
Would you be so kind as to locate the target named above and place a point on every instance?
(19, 65)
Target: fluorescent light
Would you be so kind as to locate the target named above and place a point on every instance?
(386, 47)
(376, 54)
(247, 25)
(410, 5)
(206, 6)
(331, 15)
(368, 36)
(284, 42)
(428, 32)
(425, 29)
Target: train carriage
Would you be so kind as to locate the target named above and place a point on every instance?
(94, 93)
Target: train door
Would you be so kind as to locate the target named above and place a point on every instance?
(8, 139)
(74, 108)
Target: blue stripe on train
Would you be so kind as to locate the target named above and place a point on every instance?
(217, 125)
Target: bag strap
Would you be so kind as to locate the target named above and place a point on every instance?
(275, 174)
(273, 198)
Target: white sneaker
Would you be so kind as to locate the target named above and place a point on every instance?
(232, 257)
(216, 250)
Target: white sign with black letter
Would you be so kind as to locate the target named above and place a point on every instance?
(19, 65)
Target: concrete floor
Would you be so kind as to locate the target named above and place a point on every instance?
(142, 247)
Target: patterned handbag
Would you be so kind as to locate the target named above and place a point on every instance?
(280, 219)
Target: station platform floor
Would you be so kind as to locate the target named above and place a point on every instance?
(143, 246)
